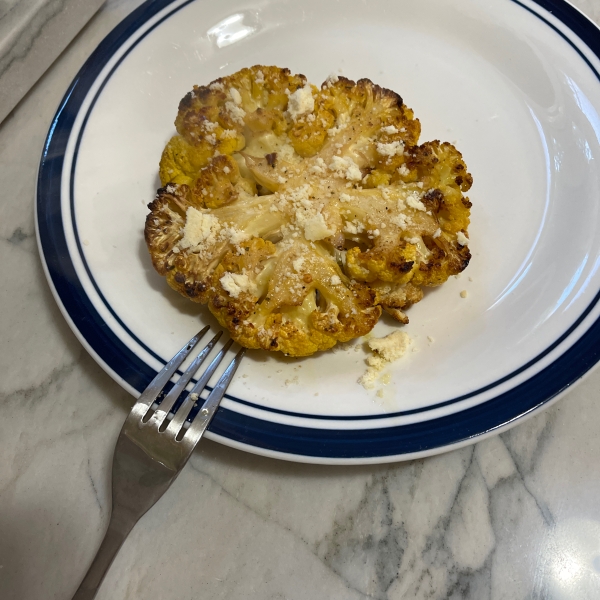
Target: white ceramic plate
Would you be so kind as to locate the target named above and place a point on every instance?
(514, 85)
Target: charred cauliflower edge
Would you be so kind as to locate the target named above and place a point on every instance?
(298, 214)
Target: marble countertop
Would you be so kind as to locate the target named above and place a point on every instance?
(32, 34)
(514, 517)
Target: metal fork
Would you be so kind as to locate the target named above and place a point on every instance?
(153, 448)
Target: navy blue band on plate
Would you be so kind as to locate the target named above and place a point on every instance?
(300, 441)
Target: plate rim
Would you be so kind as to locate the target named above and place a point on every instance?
(244, 431)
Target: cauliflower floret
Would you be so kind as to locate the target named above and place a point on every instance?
(299, 214)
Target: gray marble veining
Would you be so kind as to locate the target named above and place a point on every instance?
(515, 517)
(32, 34)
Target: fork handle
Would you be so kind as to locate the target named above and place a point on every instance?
(118, 529)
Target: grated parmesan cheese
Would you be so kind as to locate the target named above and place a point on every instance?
(385, 350)
(236, 283)
(319, 166)
(237, 112)
(414, 201)
(351, 228)
(462, 239)
(391, 149)
(298, 264)
(209, 125)
(200, 228)
(331, 79)
(234, 235)
(315, 228)
(235, 96)
(401, 220)
(301, 102)
(345, 167)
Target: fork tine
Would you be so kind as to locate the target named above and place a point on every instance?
(150, 394)
(167, 404)
(146, 462)
(208, 410)
(184, 410)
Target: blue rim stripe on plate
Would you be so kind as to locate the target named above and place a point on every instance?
(386, 441)
(72, 185)
(428, 408)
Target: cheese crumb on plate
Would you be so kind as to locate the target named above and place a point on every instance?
(385, 350)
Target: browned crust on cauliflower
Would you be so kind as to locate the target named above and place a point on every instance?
(298, 214)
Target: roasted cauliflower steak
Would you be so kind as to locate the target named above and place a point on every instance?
(298, 214)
